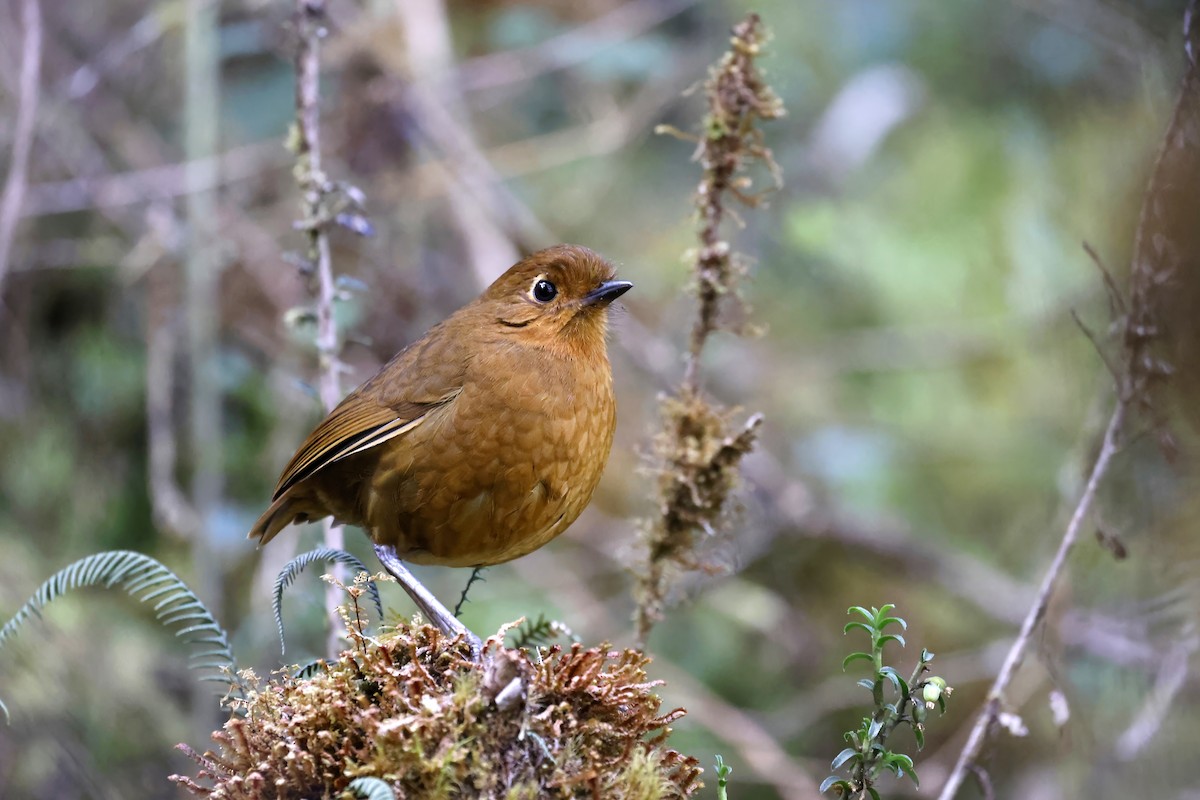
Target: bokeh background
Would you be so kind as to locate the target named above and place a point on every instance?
(931, 407)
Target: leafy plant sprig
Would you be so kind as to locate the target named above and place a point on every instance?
(722, 769)
(868, 756)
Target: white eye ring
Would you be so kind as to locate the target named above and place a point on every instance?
(542, 290)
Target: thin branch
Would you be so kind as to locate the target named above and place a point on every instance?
(992, 708)
(1091, 337)
(27, 106)
(314, 188)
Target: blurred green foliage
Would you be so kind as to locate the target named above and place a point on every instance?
(921, 377)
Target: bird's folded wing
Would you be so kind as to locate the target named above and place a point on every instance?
(420, 379)
(356, 425)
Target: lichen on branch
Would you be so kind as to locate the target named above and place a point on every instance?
(697, 453)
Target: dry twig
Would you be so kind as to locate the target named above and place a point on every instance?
(698, 451)
(1156, 324)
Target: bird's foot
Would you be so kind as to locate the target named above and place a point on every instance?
(428, 605)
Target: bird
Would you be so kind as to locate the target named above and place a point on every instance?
(479, 442)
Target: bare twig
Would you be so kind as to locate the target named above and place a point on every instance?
(27, 106)
(314, 188)
(992, 707)
(1155, 322)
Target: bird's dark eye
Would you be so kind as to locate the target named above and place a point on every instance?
(544, 291)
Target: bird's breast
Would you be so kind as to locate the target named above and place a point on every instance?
(504, 468)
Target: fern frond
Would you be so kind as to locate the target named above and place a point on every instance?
(310, 669)
(371, 789)
(148, 580)
(293, 568)
(540, 632)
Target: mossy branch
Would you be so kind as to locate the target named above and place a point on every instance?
(698, 451)
(410, 710)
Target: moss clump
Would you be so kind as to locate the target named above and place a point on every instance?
(410, 708)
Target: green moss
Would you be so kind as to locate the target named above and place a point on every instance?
(410, 708)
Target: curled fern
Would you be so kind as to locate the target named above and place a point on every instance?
(293, 568)
(175, 605)
(371, 789)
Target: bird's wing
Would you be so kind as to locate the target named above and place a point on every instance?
(419, 380)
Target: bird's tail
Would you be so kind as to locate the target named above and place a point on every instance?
(283, 512)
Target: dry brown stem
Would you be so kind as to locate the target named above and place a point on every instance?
(699, 450)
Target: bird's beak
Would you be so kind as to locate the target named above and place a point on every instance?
(606, 292)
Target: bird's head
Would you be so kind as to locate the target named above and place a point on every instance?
(557, 297)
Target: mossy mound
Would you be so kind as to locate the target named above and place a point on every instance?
(411, 709)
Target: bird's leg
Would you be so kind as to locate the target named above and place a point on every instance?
(428, 605)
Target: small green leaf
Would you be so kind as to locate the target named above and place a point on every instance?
(891, 637)
(875, 727)
(867, 684)
(852, 625)
(834, 782)
(843, 757)
(850, 659)
(890, 674)
(883, 611)
(919, 735)
(883, 623)
(912, 773)
(926, 656)
(870, 617)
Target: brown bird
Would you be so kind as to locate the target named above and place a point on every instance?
(479, 442)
